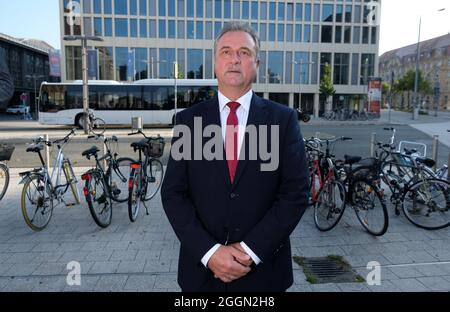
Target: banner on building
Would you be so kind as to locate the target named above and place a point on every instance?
(374, 96)
(54, 58)
(92, 64)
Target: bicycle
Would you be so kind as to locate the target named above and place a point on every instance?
(40, 189)
(96, 125)
(146, 175)
(5, 155)
(104, 185)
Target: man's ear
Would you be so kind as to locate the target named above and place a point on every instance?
(257, 62)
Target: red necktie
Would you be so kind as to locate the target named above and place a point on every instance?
(231, 139)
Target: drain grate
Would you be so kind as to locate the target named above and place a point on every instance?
(330, 269)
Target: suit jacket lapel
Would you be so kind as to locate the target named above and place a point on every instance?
(212, 117)
(256, 116)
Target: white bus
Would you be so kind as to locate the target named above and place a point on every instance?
(117, 103)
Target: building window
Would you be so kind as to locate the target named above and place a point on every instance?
(218, 9)
(194, 64)
(98, 26)
(339, 13)
(367, 67)
(87, 6)
(87, 24)
(199, 8)
(171, 8)
(356, 34)
(141, 63)
(190, 30)
(152, 8)
(355, 68)
(166, 60)
(236, 10)
(133, 27)
(341, 65)
(143, 7)
(208, 31)
(108, 27)
(374, 36)
(298, 33)
(245, 10)
(325, 59)
(348, 13)
(357, 15)
(289, 32)
(272, 11)
(301, 67)
(106, 63)
(171, 29)
(315, 37)
(288, 66)
(338, 34)
(181, 60)
(217, 28)
(97, 6)
(227, 9)
(152, 29)
(190, 8)
(73, 63)
(347, 34)
(133, 7)
(209, 8)
(307, 33)
(298, 11)
(180, 8)
(327, 13)
(199, 30)
(290, 12)
(162, 8)
(180, 32)
(121, 27)
(280, 36)
(120, 7)
(327, 33)
(365, 35)
(275, 68)
(162, 28)
(143, 28)
(271, 32)
(254, 10)
(107, 6)
(263, 10)
(280, 11)
(262, 67)
(208, 64)
(263, 31)
(314, 67)
(121, 63)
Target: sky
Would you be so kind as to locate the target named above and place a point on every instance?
(39, 19)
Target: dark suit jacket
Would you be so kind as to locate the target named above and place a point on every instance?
(6, 84)
(259, 208)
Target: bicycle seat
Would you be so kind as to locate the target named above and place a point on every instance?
(350, 160)
(35, 148)
(90, 152)
(409, 152)
(142, 144)
(426, 161)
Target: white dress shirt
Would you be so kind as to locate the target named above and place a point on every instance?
(242, 115)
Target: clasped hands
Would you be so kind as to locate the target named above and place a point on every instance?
(230, 263)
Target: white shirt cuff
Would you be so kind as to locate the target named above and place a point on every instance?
(252, 255)
(208, 255)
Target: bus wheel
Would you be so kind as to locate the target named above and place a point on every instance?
(79, 121)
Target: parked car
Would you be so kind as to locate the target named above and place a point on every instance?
(18, 109)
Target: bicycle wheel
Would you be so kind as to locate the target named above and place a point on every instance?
(98, 126)
(98, 199)
(4, 180)
(427, 204)
(155, 173)
(330, 205)
(37, 202)
(120, 173)
(369, 207)
(135, 194)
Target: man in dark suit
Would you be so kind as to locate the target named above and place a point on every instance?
(6, 84)
(233, 216)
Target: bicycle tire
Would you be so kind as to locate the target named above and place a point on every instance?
(155, 174)
(98, 126)
(119, 179)
(4, 180)
(368, 200)
(327, 210)
(96, 199)
(420, 212)
(43, 202)
(135, 194)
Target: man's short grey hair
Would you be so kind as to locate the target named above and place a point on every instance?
(239, 26)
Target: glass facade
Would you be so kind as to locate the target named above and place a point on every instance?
(299, 38)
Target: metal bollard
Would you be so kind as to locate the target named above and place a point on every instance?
(136, 124)
(372, 144)
(448, 169)
(435, 151)
(47, 154)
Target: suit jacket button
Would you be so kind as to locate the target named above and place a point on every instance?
(233, 195)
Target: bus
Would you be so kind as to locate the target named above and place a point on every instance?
(117, 102)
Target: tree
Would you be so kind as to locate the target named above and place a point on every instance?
(406, 84)
(326, 88)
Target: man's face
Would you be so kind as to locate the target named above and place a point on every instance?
(235, 60)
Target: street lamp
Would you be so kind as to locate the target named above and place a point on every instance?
(84, 40)
(415, 115)
(301, 75)
(34, 76)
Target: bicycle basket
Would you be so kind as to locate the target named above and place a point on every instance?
(6, 151)
(156, 147)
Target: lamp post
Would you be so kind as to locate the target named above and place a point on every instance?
(34, 76)
(301, 74)
(84, 40)
(415, 115)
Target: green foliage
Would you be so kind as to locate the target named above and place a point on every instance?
(326, 83)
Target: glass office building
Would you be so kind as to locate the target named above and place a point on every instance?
(298, 38)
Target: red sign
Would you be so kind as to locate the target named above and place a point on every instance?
(23, 97)
(374, 96)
